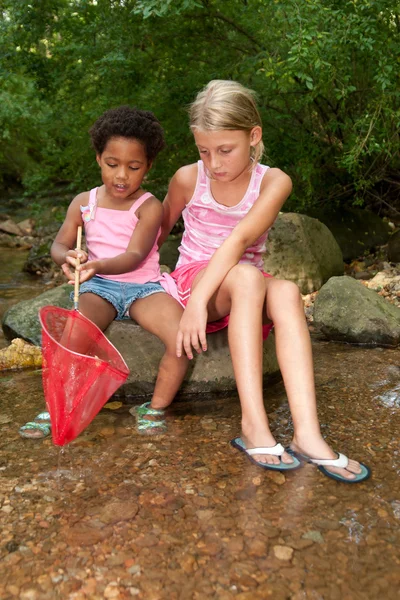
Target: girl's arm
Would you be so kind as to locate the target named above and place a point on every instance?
(140, 244)
(275, 189)
(63, 248)
(180, 191)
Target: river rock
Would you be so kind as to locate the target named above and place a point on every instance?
(210, 372)
(27, 226)
(19, 354)
(21, 320)
(9, 226)
(16, 241)
(345, 310)
(303, 250)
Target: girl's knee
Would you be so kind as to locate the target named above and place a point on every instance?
(246, 278)
(284, 295)
(283, 287)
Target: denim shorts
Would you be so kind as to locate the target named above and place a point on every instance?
(120, 294)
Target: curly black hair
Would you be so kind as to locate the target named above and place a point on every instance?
(128, 122)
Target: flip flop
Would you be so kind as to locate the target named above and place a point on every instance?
(342, 462)
(43, 417)
(146, 424)
(32, 428)
(276, 450)
(37, 429)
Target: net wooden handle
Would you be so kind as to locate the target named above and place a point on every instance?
(78, 247)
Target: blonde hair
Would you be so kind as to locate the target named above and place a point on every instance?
(227, 105)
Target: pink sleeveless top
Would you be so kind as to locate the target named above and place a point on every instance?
(108, 233)
(208, 223)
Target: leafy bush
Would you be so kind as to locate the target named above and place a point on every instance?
(326, 73)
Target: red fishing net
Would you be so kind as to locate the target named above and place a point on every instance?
(81, 370)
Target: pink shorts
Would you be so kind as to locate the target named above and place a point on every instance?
(184, 277)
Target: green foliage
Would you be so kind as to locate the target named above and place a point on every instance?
(326, 73)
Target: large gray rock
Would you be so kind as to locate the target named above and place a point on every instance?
(21, 320)
(303, 250)
(347, 311)
(210, 372)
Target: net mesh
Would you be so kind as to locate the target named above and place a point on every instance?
(81, 370)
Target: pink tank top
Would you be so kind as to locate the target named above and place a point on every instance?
(108, 233)
(208, 223)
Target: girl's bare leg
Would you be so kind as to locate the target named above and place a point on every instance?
(160, 314)
(99, 311)
(241, 294)
(294, 353)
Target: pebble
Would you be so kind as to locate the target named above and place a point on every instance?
(315, 536)
(81, 535)
(112, 591)
(29, 594)
(276, 477)
(13, 590)
(257, 547)
(134, 570)
(117, 511)
(283, 552)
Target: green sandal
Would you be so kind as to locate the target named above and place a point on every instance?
(146, 423)
(37, 429)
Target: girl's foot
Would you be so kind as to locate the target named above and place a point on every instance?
(37, 429)
(275, 452)
(318, 449)
(264, 439)
(149, 420)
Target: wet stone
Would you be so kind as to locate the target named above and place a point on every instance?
(327, 524)
(257, 547)
(246, 493)
(146, 541)
(314, 536)
(85, 536)
(276, 477)
(283, 552)
(116, 511)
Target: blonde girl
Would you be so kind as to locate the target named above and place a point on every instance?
(229, 201)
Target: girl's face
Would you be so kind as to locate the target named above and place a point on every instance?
(226, 153)
(123, 166)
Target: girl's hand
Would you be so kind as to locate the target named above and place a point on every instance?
(72, 256)
(88, 270)
(71, 260)
(192, 330)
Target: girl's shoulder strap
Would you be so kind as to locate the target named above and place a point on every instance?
(93, 197)
(260, 171)
(201, 183)
(201, 174)
(88, 212)
(140, 201)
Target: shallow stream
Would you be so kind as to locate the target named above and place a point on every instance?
(183, 516)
